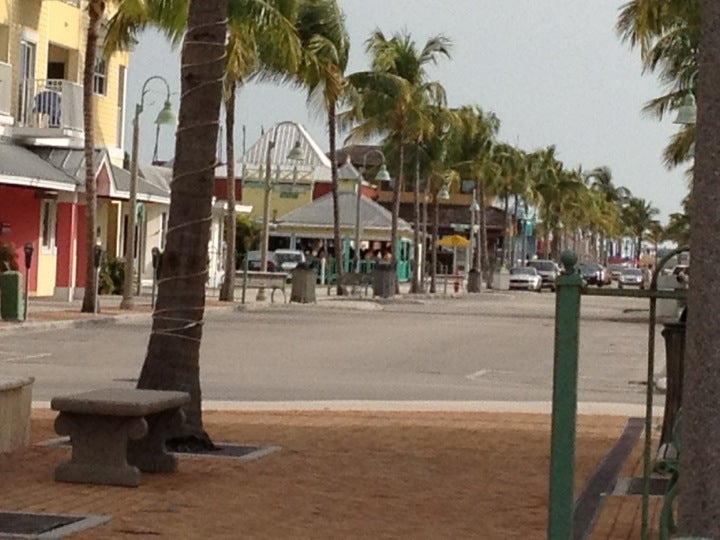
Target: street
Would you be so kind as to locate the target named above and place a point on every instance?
(494, 346)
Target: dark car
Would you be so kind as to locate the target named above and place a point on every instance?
(548, 271)
(594, 274)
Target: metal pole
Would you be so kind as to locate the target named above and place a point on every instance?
(140, 236)
(127, 298)
(266, 210)
(357, 224)
(564, 404)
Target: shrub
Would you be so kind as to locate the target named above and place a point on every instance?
(8, 258)
(112, 275)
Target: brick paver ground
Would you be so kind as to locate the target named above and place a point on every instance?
(337, 475)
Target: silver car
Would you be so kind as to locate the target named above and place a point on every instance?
(631, 277)
(525, 278)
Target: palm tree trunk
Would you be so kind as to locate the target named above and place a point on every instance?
(436, 226)
(95, 11)
(699, 510)
(415, 284)
(396, 207)
(332, 132)
(173, 355)
(505, 246)
(227, 291)
(485, 269)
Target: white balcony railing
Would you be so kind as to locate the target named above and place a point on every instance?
(5, 88)
(50, 103)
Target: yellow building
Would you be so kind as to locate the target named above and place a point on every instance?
(42, 50)
(42, 44)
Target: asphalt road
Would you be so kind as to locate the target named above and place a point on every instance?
(493, 346)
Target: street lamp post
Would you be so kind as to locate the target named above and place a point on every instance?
(381, 176)
(473, 276)
(166, 116)
(296, 154)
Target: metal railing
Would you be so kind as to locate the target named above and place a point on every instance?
(570, 288)
(5, 88)
(50, 103)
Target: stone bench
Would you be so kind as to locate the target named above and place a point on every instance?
(117, 432)
(15, 406)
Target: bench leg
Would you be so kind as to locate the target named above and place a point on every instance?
(149, 453)
(99, 449)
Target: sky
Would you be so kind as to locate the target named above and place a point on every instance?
(554, 71)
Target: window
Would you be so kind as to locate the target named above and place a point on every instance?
(48, 220)
(100, 77)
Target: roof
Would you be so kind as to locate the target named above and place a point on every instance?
(319, 213)
(20, 162)
(70, 160)
(153, 181)
(371, 154)
(286, 135)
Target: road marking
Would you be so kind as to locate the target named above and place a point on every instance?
(26, 357)
(478, 374)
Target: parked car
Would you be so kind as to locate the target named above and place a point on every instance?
(525, 278)
(615, 270)
(548, 271)
(288, 259)
(631, 277)
(253, 258)
(595, 274)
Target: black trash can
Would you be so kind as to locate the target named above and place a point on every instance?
(384, 280)
(303, 284)
(474, 282)
(674, 335)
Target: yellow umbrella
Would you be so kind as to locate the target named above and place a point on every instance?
(454, 241)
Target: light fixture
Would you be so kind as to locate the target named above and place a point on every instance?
(444, 193)
(474, 206)
(167, 115)
(687, 112)
(296, 154)
(383, 175)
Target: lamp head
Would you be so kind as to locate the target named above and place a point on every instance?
(296, 154)
(383, 175)
(444, 193)
(167, 115)
(474, 206)
(687, 112)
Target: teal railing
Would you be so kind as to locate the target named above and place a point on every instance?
(569, 288)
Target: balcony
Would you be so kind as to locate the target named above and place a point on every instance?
(48, 108)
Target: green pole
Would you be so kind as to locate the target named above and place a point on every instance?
(564, 405)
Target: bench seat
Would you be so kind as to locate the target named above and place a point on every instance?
(117, 432)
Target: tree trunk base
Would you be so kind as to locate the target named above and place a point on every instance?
(191, 443)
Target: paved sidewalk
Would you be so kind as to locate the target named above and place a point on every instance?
(338, 474)
(363, 474)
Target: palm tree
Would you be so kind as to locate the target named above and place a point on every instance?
(262, 41)
(699, 503)
(600, 180)
(667, 32)
(638, 217)
(268, 46)
(96, 8)
(172, 360)
(390, 99)
(326, 44)
(472, 148)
